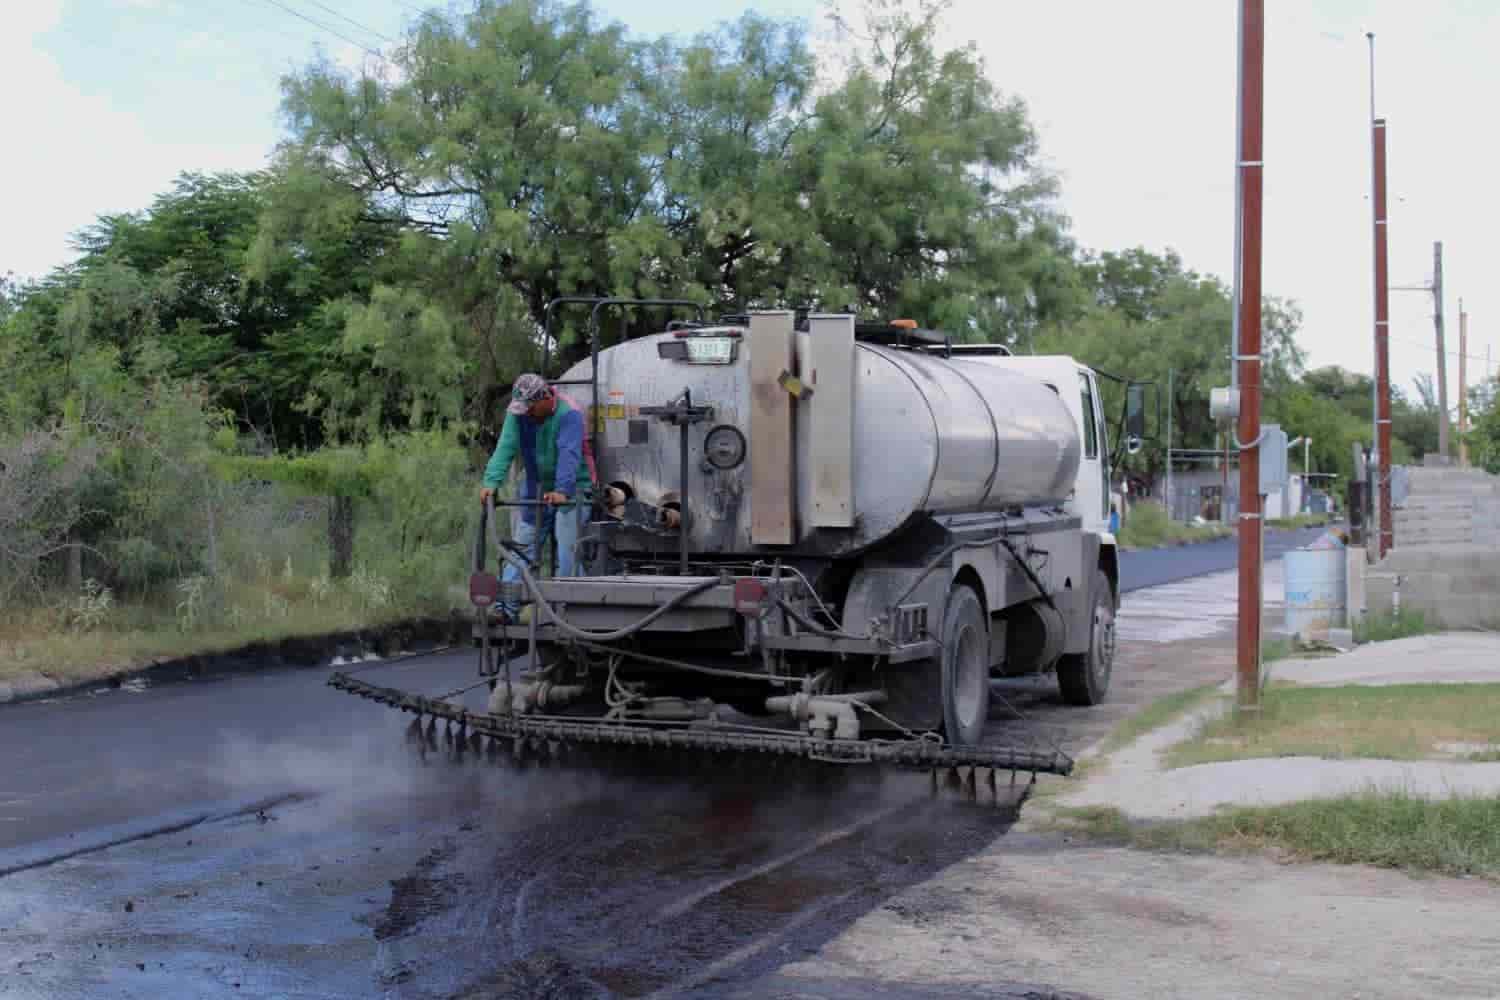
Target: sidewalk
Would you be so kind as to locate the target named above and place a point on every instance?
(1133, 780)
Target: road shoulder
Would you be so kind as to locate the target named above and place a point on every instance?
(1049, 905)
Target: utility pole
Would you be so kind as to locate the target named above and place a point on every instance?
(1442, 355)
(1435, 289)
(1463, 384)
(1247, 351)
(1382, 472)
(1171, 402)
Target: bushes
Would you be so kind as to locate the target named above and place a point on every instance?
(136, 480)
(43, 475)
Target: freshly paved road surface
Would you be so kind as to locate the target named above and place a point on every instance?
(401, 873)
(1154, 567)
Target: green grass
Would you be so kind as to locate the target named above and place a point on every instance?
(1277, 649)
(1402, 624)
(1156, 715)
(1147, 526)
(64, 642)
(1299, 521)
(1394, 722)
(1455, 836)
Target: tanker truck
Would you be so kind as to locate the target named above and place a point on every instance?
(811, 536)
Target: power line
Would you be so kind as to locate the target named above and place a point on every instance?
(1452, 354)
(323, 27)
(344, 17)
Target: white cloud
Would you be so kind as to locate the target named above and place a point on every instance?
(1135, 104)
(82, 154)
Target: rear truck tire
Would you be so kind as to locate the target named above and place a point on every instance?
(1083, 678)
(965, 668)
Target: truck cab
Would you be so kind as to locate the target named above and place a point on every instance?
(1078, 387)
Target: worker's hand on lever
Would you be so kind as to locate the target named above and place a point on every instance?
(554, 499)
(485, 493)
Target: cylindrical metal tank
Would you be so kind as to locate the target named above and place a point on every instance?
(1314, 585)
(931, 435)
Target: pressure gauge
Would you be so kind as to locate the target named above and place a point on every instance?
(724, 447)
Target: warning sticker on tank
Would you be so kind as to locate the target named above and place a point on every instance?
(616, 434)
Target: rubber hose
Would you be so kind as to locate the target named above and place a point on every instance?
(549, 615)
(815, 629)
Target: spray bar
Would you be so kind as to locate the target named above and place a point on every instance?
(915, 753)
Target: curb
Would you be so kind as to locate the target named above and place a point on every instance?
(297, 651)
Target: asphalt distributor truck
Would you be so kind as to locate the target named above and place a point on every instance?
(810, 536)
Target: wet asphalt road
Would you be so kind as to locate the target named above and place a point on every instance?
(314, 853)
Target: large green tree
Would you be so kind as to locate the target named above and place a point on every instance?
(1153, 320)
(525, 150)
(180, 280)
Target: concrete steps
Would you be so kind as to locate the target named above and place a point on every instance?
(1446, 561)
(1449, 506)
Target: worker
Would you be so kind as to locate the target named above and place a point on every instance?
(546, 433)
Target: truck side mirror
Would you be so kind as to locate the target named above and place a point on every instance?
(1135, 410)
(1132, 445)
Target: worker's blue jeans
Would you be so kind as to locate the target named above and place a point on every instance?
(563, 522)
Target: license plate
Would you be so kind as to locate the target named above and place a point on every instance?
(710, 350)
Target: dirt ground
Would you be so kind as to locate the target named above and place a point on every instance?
(1114, 922)
(1075, 919)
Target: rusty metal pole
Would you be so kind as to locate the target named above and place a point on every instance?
(1382, 345)
(1463, 384)
(1442, 352)
(1247, 358)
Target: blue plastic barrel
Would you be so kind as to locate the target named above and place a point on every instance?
(1315, 589)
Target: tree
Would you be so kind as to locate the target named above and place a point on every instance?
(525, 151)
(1484, 437)
(183, 277)
(1150, 317)
(1413, 425)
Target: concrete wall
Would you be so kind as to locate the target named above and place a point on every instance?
(1449, 506)
(1454, 586)
(1446, 559)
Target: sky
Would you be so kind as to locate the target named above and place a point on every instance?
(1134, 105)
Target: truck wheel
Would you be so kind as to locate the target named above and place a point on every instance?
(966, 668)
(1083, 678)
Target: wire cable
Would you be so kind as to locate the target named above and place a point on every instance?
(332, 31)
(362, 27)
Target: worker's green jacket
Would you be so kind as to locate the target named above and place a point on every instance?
(551, 451)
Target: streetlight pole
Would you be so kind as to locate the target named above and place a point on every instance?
(1171, 402)
(1382, 439)
(1463, 384)
(1442, 354)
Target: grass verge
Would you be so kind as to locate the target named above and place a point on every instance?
(1156, 715)
(1401, 624)
(1394, 722)
(70, 643)
(1299, 521)
(1149, 527)
(1457, 836)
